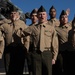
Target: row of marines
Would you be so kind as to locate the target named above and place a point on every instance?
(48, 45)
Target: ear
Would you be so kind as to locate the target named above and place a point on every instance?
(68, 11)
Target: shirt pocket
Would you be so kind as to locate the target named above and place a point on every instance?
(48, 33)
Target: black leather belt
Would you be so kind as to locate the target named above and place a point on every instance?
(46, 48)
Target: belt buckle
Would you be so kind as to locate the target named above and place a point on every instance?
(47, 48)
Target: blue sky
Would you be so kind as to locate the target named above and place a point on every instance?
(29, 5)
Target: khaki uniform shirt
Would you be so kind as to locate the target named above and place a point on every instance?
(50, 37)
(13, 32)
(33, 24)
(30, 38)
(62, 32)
(4, 21)
(2, 44)
(54, 22)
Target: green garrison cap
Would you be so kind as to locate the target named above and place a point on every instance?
(41, 9)
(63, 13)
(52, 7)
(34, 11)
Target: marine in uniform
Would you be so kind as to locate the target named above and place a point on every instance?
(45, 44)
(34, 21)
(54, 22)
(14, 53)
(62, 32)
(71, 49)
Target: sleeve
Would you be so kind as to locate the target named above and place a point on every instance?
(55, 45)
(26, 41)
(2, 28)
(28, 31)
(2, 44)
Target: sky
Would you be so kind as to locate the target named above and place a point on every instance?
(29, 5)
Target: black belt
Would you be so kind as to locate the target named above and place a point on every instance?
(46, 48)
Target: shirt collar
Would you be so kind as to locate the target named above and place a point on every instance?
(53, 19)
(44, 24)
(65, 26)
